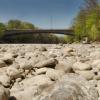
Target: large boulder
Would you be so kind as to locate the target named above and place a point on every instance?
(29, 88)
(70, 87)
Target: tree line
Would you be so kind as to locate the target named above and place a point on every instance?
(27, 38)
(87, 21)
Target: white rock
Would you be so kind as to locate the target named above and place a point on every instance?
(95, 55)
(67, 49)
(47, 63)
(36, 80)
(64, 66)
(70, 87)
(8, 58)
(54, 74)
(26, 65)
(13, 72)
(5, 80)
(3, 70)
(41, 71)
(95, 63)
(86, 74)
(81, 66)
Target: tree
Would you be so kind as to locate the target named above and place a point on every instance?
(91, 4)
(87, 22)
(27, 25)
(14, 24)
(2, 28)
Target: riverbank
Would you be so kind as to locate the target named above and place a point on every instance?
(37, 71)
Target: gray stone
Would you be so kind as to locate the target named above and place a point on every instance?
(70, 87)
(47, 63)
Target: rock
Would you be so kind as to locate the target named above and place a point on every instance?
(98, 66)
(16, 88)
(3, 70)
(95, 55)
(95, 63)
(93, 83)
(99, 98)
(67, 49)
(8, 58)
(70, 87)
(42, 48)
(47, 63)
(26, 94)
(14, 73)
(97, 76)
(15, 65)
(4, 93)
(86, 74)
(36, 81)
(54, 74)
(53, 55)
(64, 66)
(5, 80)
(26, 65)
(95, 70)
(81, 66)
(2, 64)
(41, 71)
(18, 79)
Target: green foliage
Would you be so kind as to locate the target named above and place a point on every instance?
(37, 38)
(17, 24)
(94, 33)
(87, 22)
(2, 28)
(14, 24)
(27, 25)
(68, 39)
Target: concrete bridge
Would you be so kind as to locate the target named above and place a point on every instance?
(38, 31)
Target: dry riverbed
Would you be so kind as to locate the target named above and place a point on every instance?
(50, 72)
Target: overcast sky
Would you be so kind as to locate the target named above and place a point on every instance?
(39, 12)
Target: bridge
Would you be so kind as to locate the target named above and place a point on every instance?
(39, 31)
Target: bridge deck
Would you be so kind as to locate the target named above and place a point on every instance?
(30, 31)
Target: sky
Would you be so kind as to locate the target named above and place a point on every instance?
(41, 12)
